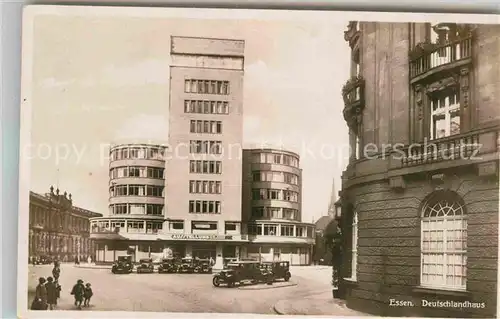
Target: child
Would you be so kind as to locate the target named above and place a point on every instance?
(87, 294)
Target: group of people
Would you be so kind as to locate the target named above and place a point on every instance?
(48, 291)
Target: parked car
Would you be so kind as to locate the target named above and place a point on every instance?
(123, 265)
(278, 269)
(145, 266)
(240, 272)
(202, 266)
(186, 265)
(168, 265)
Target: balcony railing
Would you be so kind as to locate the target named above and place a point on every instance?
(429, 56)
(451, 148)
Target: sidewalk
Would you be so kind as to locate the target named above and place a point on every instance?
(321, 304)
(92, 266)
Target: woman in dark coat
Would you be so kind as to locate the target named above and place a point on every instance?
(52, 293)
(40, 301)
(77, 292)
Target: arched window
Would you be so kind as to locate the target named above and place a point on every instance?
(444, 242)
(354, 250)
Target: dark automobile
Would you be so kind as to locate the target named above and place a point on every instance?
(123, 265)
(240, 272)
(278, 269)
(45, 260)
(202, 266)
(145, 266)
(186, 265)
(168, 265)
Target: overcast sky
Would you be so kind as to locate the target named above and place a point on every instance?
(102, 77)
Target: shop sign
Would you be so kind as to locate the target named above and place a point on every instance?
(200, 237)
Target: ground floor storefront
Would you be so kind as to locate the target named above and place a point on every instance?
(107, 251)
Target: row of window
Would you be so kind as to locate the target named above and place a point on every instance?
(443, 243)
(274, 158)
(136, 209)
(136, 190)
(136, 171)
(210, 127)
(206, 107)
(278, 230)
(137, 153)
(275, 213)
(204, 207)
(205, 147)
(175, 226)
(45, 218)
(205, 167)
(275, 194)
(206, 87)
(274, 176)
(205, 187)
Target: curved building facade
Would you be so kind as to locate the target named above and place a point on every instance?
(136, 203)
(420, 194)
(272, 184)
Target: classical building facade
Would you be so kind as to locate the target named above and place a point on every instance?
(272, 207)
(420, 194)
(57, 228)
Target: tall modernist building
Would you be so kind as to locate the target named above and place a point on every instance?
(272, 207)
(203, 177)
(210, 204)
(136, 203)
(420, 194)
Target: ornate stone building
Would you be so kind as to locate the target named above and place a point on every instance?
(420, 194)
(57, 228)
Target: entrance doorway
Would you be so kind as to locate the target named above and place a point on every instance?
(276, 254)
(204, 251)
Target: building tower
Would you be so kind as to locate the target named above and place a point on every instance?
(272, 207)
(425, 209)
(333, 200)
(136, 203)
(206, 127)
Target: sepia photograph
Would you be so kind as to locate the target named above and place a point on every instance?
(266, 162)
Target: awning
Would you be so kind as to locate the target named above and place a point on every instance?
(107, 236)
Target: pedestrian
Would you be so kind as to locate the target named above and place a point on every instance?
(78, 291)
(87, 294)
(89, 260)
(40, 300)
(52, 293)
(56, 271)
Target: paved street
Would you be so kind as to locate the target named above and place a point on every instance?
(181, 292)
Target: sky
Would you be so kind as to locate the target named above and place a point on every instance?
(103, 78)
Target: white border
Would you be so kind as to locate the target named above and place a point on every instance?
(26, 112)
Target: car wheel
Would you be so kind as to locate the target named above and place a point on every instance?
(216, 281)
(287, 277)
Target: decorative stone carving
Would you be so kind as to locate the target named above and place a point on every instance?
(420, 50)
(397, 183)
(440, 181)
(464, 87)
(442, 84)
(419, 99)
(353, 110)
(489, 169)
(352, 33)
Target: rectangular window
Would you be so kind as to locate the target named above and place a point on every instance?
(137, 209)
(254, 229)
(154, 209)
(287, 230)
(206, 107)
(270, 230)
(200, 225)
(206, 87)
(445, 114)
(230, 227)
(258, 212)
(177, 225)
(205, 147)
(205, 167)
(204, 207)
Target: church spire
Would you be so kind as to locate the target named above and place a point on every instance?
(333, 199)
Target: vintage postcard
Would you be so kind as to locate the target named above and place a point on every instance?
(192, 161)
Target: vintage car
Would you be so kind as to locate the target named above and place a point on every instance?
(202, 266)
(186, 265)
(145, 266)
(168, 265)
(278, 269)
(240, 272)
(123, 265)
